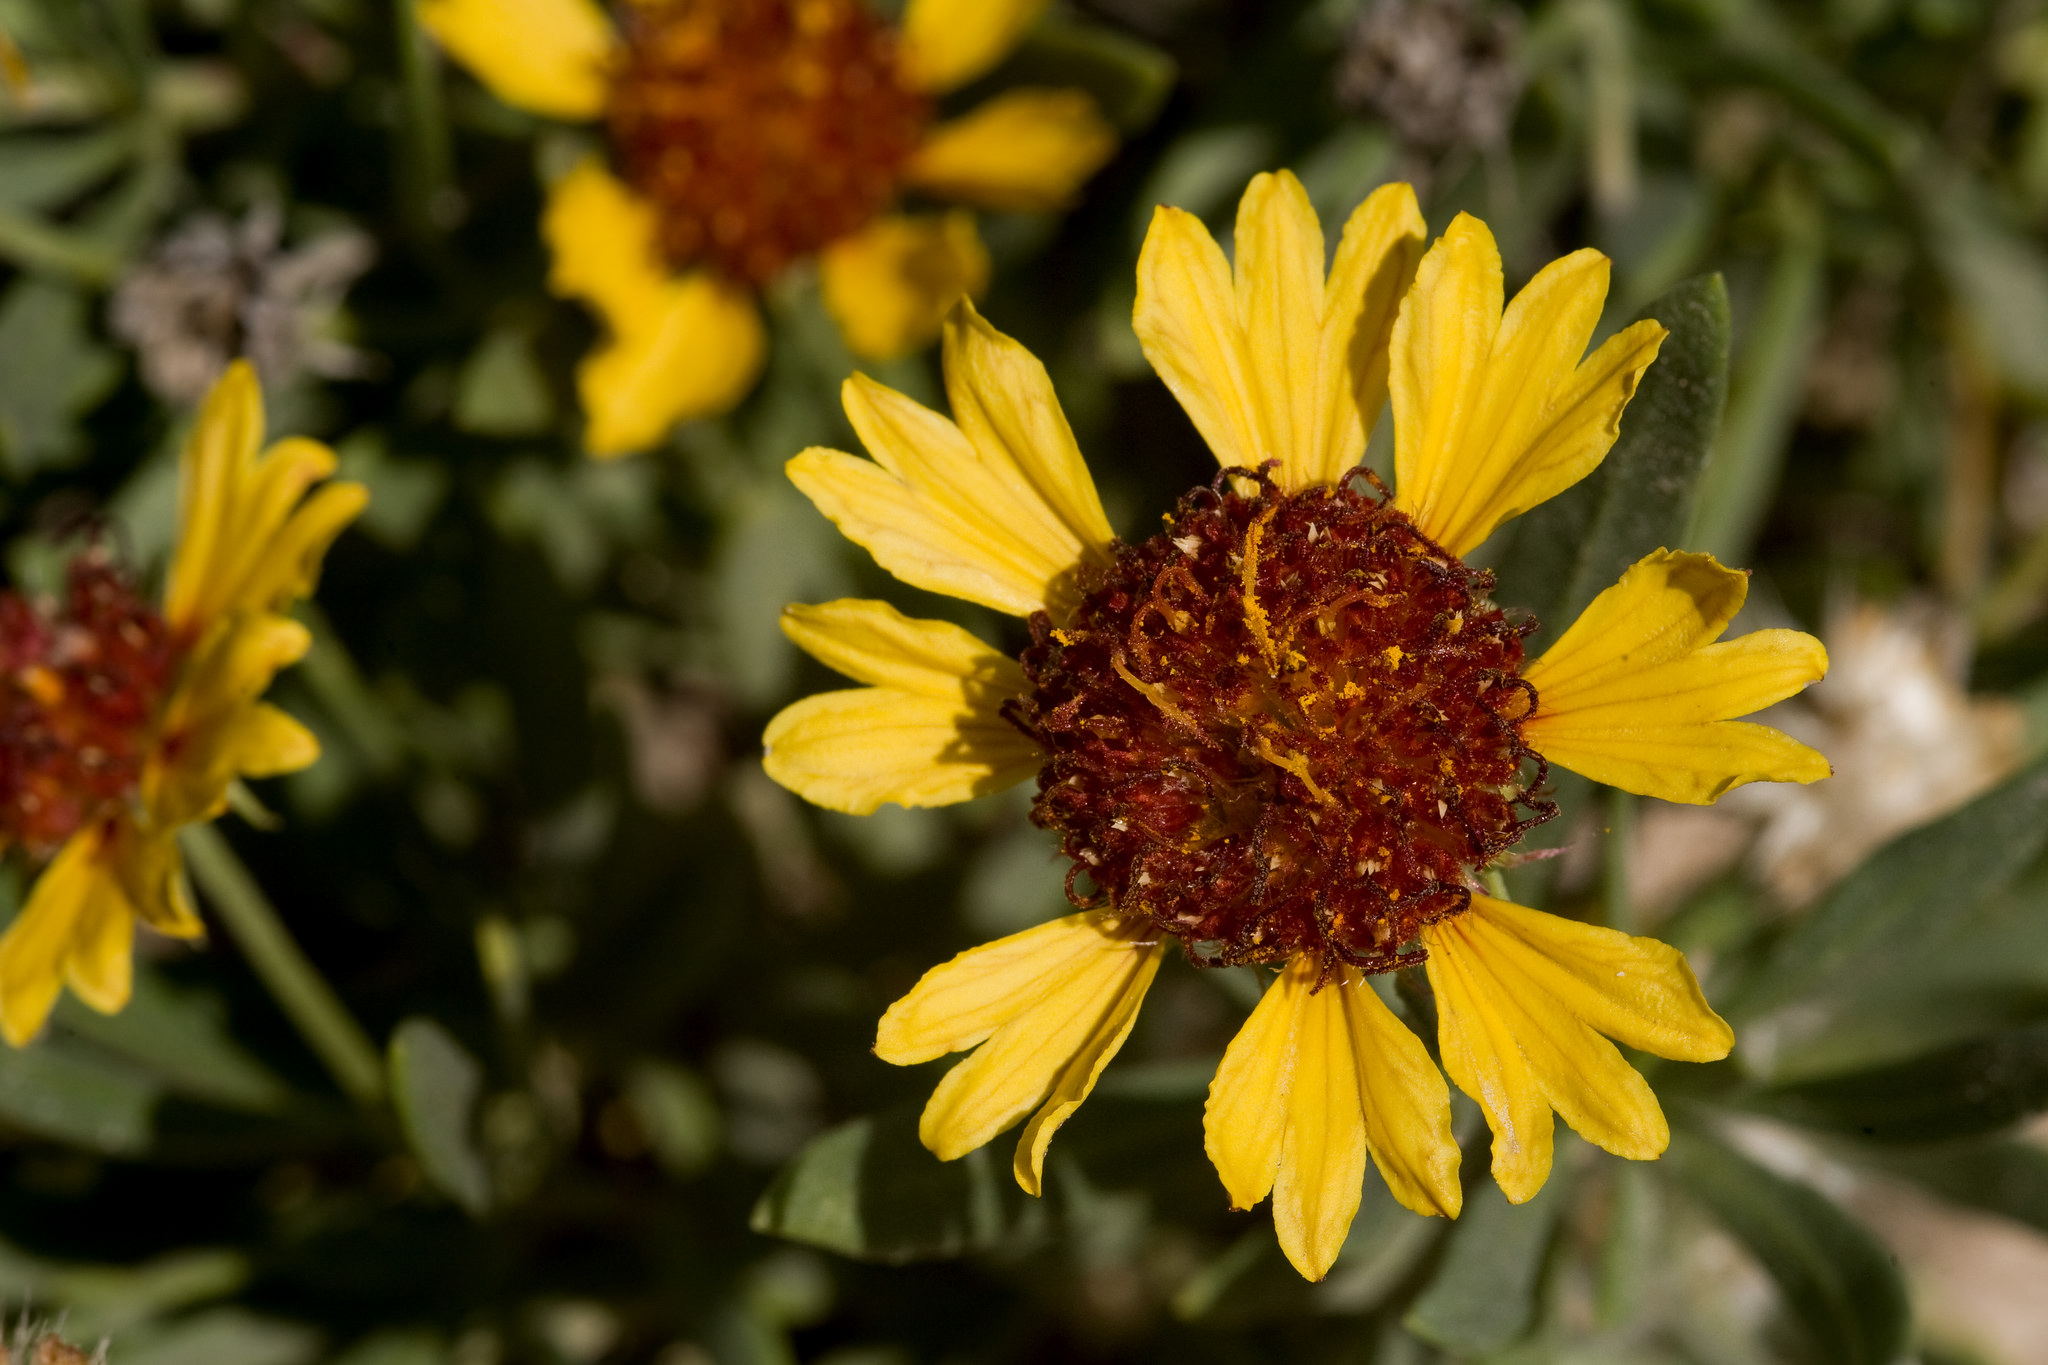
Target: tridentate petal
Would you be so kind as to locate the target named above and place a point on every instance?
(545, 56)
(1407, 1105)
(890, 284)
(1246, 1116)
(1187, 324)
(265, 742)
(1004, 404)
(1323, 1155)
(213, 468)
(1437, 372)
(959, 1003)
(36, 946)
(1375, 263)
(858, 750)
(1637, 695)
(1072, 1013)
(1475, 1036)
(1024, 150)
(1635, 990)
(1077, 1078)
(947, 43)
(681, 346)
(1278, 275)
(872, 642)
(1582, 1075)
(100, 968)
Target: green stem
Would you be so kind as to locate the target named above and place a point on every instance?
(426, 152)
(298, 988)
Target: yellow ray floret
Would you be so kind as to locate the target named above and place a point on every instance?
(545, 56)
(681, 346)
(1044, 1011)
(998, 508)
(1522, 1001)
(1314, 1082)
(1027, 150)
(1277, 363)
(1638, 695)
(947, 43)
(1496, 413)
(890, 285)
(928, 732)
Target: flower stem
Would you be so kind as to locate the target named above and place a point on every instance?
(300, 991)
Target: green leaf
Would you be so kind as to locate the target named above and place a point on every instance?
(1838, 1282)
(1565, 553)
(1817, 1001)
(222, 1336)
(2008, 1178)
(179, 1036)
(1483, 1295)
(435, 1084)
(1961, 1091)
(678, 1114)
(43, 171)
(1128, 78)
(73, 1096)
(501, 390)
(869, 1189)
(53, 374)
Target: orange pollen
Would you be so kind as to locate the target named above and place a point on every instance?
(80, 687)
(760, 130)
(1289, 724)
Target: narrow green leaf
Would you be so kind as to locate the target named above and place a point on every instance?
(1483, 1295)
(1961, 1091)
(43, 171)
(435, 1084)
(56, 372)
(1565, 553)
(869, 1189)
(181, 1037)
(1128, 78)
(1838, 1282)
(2008, 1178)
(1875, 929)
(68, 1094)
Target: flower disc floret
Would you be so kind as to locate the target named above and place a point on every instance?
(760, 130)
(1289, 723)
(79, 689)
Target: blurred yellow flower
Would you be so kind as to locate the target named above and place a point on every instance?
(749, 134)
(120, 724)
(1291, 729)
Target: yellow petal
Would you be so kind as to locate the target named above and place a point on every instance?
(1374, 265)
(1246, 1116)
(1476, 1038)
(1024, 149)
(958, 1004)
(947, 43)
(931, 733)
(1407, 1105)
(1637, 694)
(289, 566)
(1076, 1080)
(681, 346)
(1635, 990)
(890, 284)
(1323, 1156)
(100, 968)
(1276, 363)
(152, 877)
(37, 946)
(201, 738)
(1000, 520)
(545, 56)
(1580, 1074)
(1494, 414)
(212, 469)
(266, 742)
(1004, 404)
(1040, 1008)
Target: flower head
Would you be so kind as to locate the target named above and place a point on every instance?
(1291, 729)
(121, 722)
(746, 135)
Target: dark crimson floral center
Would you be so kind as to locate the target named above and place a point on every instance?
(760, 130)
(1288, 723)
(79, 689)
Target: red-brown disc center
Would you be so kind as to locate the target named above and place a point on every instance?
(1289, 723)
(760, 129)
(79, 691)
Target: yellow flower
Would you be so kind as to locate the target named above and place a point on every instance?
(748, 134)
(141, 719)
(1291, 729)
